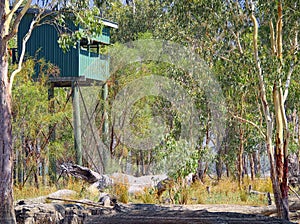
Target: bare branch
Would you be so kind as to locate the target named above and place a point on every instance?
(17, 21)
(76, 201)
(282, 109)
(239, 43)
(273, 42)
(24, 42)
(34, 23)
(287, 83)
(225, 59)
(236, 36)
(297, 195)
(279, 31)
(15, 7)
(249, 122)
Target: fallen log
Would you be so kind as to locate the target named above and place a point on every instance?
(101, 180)
(267, 194)
(76, 201)
(81, 172)
(271, 209)
(297, 195)
(251, 191)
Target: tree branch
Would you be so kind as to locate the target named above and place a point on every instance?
(249, 122)
(34, 23)
(236, 36)
(272, 34)
(266, 109)
(15, 7)
(279, 31)
(291, 70)
(262, 87)
(76, 201)
(17, 21)
(24, 42)
(287, 82)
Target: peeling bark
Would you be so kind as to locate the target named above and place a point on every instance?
(7, 214)
(277, 170)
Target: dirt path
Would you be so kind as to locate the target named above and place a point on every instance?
(205, 214)
(59, 211)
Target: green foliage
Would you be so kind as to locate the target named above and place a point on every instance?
(177, 156)
(244, 196)
(220, 33)
(30, 103)
(32, 119)
(157, 117)
(86, 18)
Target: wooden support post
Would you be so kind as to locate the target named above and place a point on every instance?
(105, 116)
(52, 158)
(77, 123)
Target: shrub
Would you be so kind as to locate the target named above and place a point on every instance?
(120, 189)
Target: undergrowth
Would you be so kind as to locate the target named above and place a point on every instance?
(225, 191)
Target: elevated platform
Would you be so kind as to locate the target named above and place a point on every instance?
(83, 62)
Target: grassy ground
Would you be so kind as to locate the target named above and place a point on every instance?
(225, 191)
(30, 191)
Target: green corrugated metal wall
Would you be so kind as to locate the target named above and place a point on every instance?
(74, 63)
(43, 44)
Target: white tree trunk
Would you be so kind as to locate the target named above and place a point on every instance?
(8, 29)
(7, 214)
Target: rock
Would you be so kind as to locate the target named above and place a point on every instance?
(62, 193)
(38, 213)
(104, 182)
(51, 213)
(137, 184)
(140, 213)
(105, 200)
(42, 199)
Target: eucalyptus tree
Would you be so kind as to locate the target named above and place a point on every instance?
(11, 13)
(144, 18)
(31, 121)
(232, 36)
(201, 25)
(185, 23)
(226, 37)
(275, 50)
(275, 73)
(275, 56)
(141, 23)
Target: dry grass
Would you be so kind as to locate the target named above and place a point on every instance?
(225, 191)
(120, 189)
(147, 196)
(32, 192)
(29, 191)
